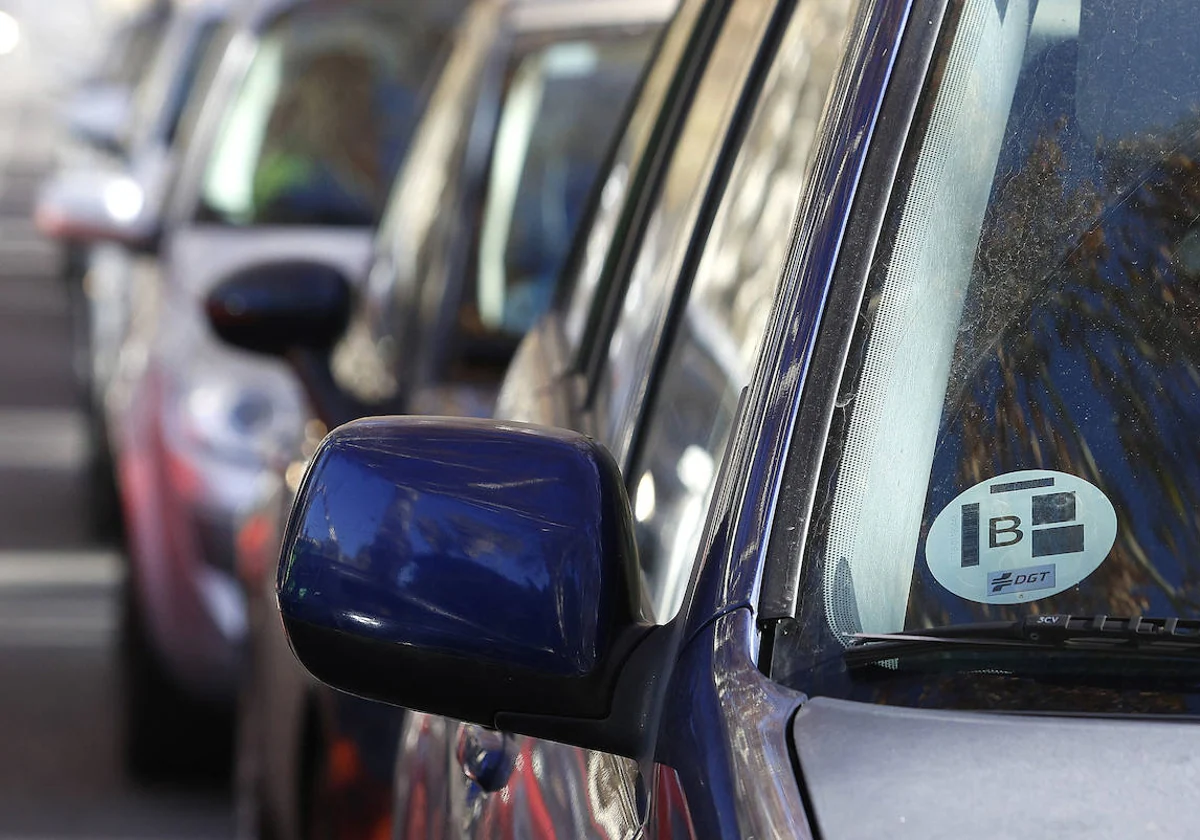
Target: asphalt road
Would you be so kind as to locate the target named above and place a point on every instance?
(60, 769)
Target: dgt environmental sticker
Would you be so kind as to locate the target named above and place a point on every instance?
(1020, 537)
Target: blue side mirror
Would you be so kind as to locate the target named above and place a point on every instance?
(480, 570)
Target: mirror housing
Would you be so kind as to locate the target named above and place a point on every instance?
(480, 570)
(277, 307)
(88, 206)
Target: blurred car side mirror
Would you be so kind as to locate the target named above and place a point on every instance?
(481, 570)
(278, 307)
(99, 115)
(93, 206)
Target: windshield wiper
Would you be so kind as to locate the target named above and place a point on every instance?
(1035, 632)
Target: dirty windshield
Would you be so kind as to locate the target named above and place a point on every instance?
(1016, 433)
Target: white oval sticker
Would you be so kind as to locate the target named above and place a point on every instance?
(1021, 537)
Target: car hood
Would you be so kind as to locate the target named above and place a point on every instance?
(878, 771)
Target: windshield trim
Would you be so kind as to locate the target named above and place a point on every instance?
(850, 253)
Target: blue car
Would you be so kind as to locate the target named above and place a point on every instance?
(850, 488)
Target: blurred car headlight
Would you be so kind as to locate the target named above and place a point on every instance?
(230, 410)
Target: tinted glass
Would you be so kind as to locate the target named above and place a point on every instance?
(1016, 429)
(717, 339)
(617, 190)
(557, 120)
(318, 127)
(652, 286)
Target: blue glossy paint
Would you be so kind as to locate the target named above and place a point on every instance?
(498, 542)
(732, 580)
(724, 733)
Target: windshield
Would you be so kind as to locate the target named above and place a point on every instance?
(1016, 429)
(319, 124)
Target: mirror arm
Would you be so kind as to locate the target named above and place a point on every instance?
(331, 404)
(636, 704)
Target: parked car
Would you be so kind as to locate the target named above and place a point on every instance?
(467, 257)
(77, 203)
(845, 564)
(291, 154)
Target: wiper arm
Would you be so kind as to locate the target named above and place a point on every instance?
(1039, 632)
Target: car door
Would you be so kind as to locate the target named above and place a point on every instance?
(664, 352)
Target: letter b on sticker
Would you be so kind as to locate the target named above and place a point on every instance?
(1004, 531)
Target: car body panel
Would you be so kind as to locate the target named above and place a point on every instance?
(724, 735)
(898, 772)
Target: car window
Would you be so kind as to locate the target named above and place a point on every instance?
(652, 284)
(458, 317)
(318, 126)
(555, 126)
(365, 362)
(1015, 433)
(716, 340)
(560, 108)
(582, 280)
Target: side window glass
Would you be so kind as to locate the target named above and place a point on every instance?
(690, 415)
(630, 153)
(555, 125)
(652, 284)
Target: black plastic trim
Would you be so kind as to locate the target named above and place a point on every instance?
(609, 710)
(806, 452)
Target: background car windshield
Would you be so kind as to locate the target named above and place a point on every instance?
(559, 113)
(1033, 310)
(322, 118)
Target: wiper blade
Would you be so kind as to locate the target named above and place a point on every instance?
(1036, 632)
